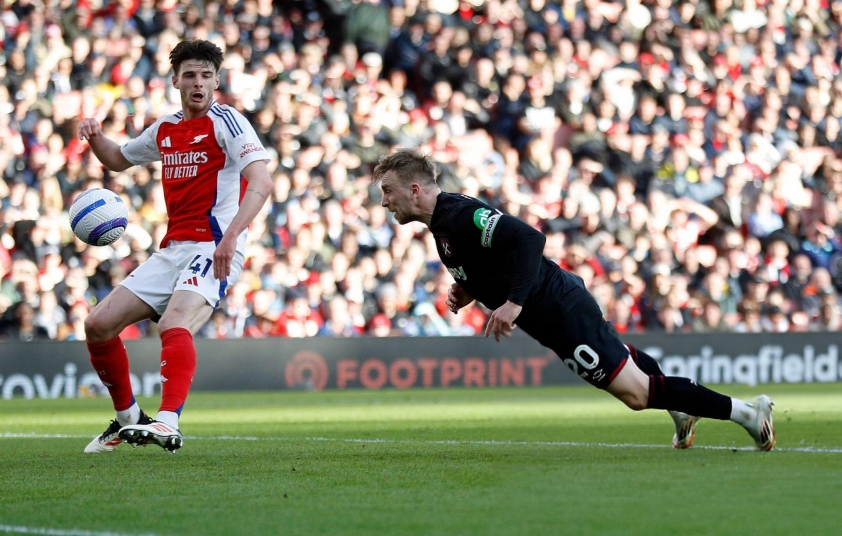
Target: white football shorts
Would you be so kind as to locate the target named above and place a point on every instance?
(181, 265)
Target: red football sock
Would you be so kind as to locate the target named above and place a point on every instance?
(111, 362)
(178, 365)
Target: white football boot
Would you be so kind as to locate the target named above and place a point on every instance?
(762, 430)
(110, 438)
(685, 429)
(156, 433)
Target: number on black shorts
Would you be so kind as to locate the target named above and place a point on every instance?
(585, 356)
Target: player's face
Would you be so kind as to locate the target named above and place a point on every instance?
(397, 198)
(196, 81)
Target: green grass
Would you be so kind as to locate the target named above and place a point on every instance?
(436, 470)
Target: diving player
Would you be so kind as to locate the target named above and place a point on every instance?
(498, 260)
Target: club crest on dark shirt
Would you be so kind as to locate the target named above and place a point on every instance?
(446, 247)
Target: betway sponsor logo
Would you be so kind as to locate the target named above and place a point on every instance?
(68, 385)
(771, 364)
(178, 159)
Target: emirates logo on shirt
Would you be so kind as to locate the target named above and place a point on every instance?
(177, 159)
(183, 165)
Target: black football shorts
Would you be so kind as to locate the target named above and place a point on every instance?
(571, 324)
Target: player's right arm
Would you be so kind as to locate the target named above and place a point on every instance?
(106, 151)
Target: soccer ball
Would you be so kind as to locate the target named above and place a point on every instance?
(98, 217)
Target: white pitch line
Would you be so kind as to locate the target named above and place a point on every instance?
(11, 435)
(492, 442)
(62, 532)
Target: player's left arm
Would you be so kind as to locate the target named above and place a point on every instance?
(506, 233)
(259, 188)
(244, 147)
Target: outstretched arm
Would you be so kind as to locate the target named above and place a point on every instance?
(259, 188)
(106, 151)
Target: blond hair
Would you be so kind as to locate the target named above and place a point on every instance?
(408, 165)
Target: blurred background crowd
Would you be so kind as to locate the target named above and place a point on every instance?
(682, 157)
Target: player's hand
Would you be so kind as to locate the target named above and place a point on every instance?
(222, 257)
(457, 298)
(502, 320)
(89, 128)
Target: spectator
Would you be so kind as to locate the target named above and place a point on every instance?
(380, 326)
(49, 315)
(829, 318)
(368, 27)
(711, 320)
(820, 244)
(298, 319)
(338, 323)
(797, 282)
(675, 179)
(750, 322)
(775, 320)
(707, 187)
(763, 220)
(22, 326)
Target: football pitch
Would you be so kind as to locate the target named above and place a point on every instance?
(451, 461)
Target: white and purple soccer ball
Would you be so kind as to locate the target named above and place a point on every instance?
(98, 217)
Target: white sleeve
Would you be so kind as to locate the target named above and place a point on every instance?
(240, 141)
(143, 149)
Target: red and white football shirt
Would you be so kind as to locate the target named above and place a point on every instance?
(202, 163)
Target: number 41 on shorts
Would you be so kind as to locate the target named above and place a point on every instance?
(196, 265)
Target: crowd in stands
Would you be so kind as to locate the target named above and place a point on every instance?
(683, 157)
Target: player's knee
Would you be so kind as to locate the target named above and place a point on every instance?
(97, 328)
(638, 403)
(171, 319)
(635, 400)
(631, 387)
(165, 323)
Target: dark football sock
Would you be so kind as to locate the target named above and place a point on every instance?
(680, 394)
(644, 362)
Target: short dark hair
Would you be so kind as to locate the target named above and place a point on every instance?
(408, 165)
(196, 49)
